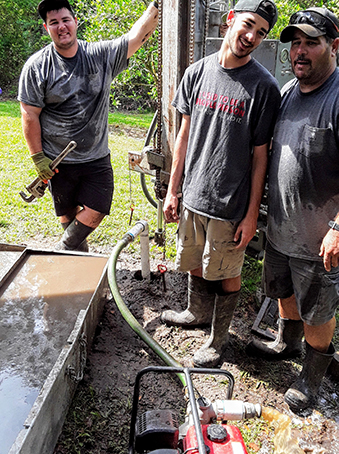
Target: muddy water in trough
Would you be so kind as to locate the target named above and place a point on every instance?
(38, 308)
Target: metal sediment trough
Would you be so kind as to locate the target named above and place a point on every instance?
(50, 303)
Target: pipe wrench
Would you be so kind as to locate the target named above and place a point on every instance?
(37, 187)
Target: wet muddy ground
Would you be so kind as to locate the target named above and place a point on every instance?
(99, 419)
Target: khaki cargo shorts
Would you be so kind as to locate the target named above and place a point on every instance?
(207, 243)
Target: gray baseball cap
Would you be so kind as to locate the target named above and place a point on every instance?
(265, 8)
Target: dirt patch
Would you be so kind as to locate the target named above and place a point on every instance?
(129, 131)
(99, 419)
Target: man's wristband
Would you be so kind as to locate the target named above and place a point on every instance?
(333, 225)
(155, 4)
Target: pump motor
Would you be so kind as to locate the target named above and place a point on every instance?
(205, 429)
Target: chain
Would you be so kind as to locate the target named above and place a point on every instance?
(159, 100)
(159, 238)
(130, 198)
(192, 33)
(206, 25)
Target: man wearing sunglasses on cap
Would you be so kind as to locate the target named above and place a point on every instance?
(301, 261)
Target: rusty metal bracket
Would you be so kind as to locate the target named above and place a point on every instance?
(155, 159)
(138, 162)
(268, 314)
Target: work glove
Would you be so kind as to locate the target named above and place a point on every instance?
(42, 165)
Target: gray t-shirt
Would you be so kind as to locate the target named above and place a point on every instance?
(304, 169)
(231, 110)
(74, 96)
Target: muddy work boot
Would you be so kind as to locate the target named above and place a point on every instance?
(199, 312)
(303, 393)
(74, 237)
(286, 345)
(210, 353)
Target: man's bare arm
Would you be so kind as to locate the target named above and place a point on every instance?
(142, 29)
(177, 170)
(31, 127)
(30, 117)
(247, 227)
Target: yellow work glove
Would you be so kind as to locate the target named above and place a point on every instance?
(42, 165)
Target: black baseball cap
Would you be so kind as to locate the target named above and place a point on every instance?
(314, 22)
(265, 8)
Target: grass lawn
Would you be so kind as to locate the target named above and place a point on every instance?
(136, 120)
(20, 221)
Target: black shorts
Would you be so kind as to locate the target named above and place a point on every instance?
(89, 183)
(316, 290)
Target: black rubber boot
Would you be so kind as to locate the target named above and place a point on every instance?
(199, 312)
(83, 247)
(74, 237)
(210, 353)
(287, 344)
(303, 393)
(64, 225)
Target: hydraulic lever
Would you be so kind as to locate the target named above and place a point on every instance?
(37, 187)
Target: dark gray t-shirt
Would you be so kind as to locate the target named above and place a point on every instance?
(304, 169)
(74, 96)
(231, 110)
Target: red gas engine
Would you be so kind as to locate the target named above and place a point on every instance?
(205, 430)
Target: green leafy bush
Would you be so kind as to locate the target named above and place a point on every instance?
(287, 7)
(108, 19)
(22, 34)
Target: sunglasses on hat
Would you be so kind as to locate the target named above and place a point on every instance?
(313, 18)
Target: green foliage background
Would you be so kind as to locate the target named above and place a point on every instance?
(287, 7)
(108, 19)
(22, 34)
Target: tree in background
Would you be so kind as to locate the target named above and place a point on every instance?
(287, 7)
(107, 19)
(22, 34)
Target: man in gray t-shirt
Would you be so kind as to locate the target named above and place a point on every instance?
(64, 93)
(229, 103)
(302, 254)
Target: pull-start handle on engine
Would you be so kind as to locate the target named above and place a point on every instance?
(38, 186)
